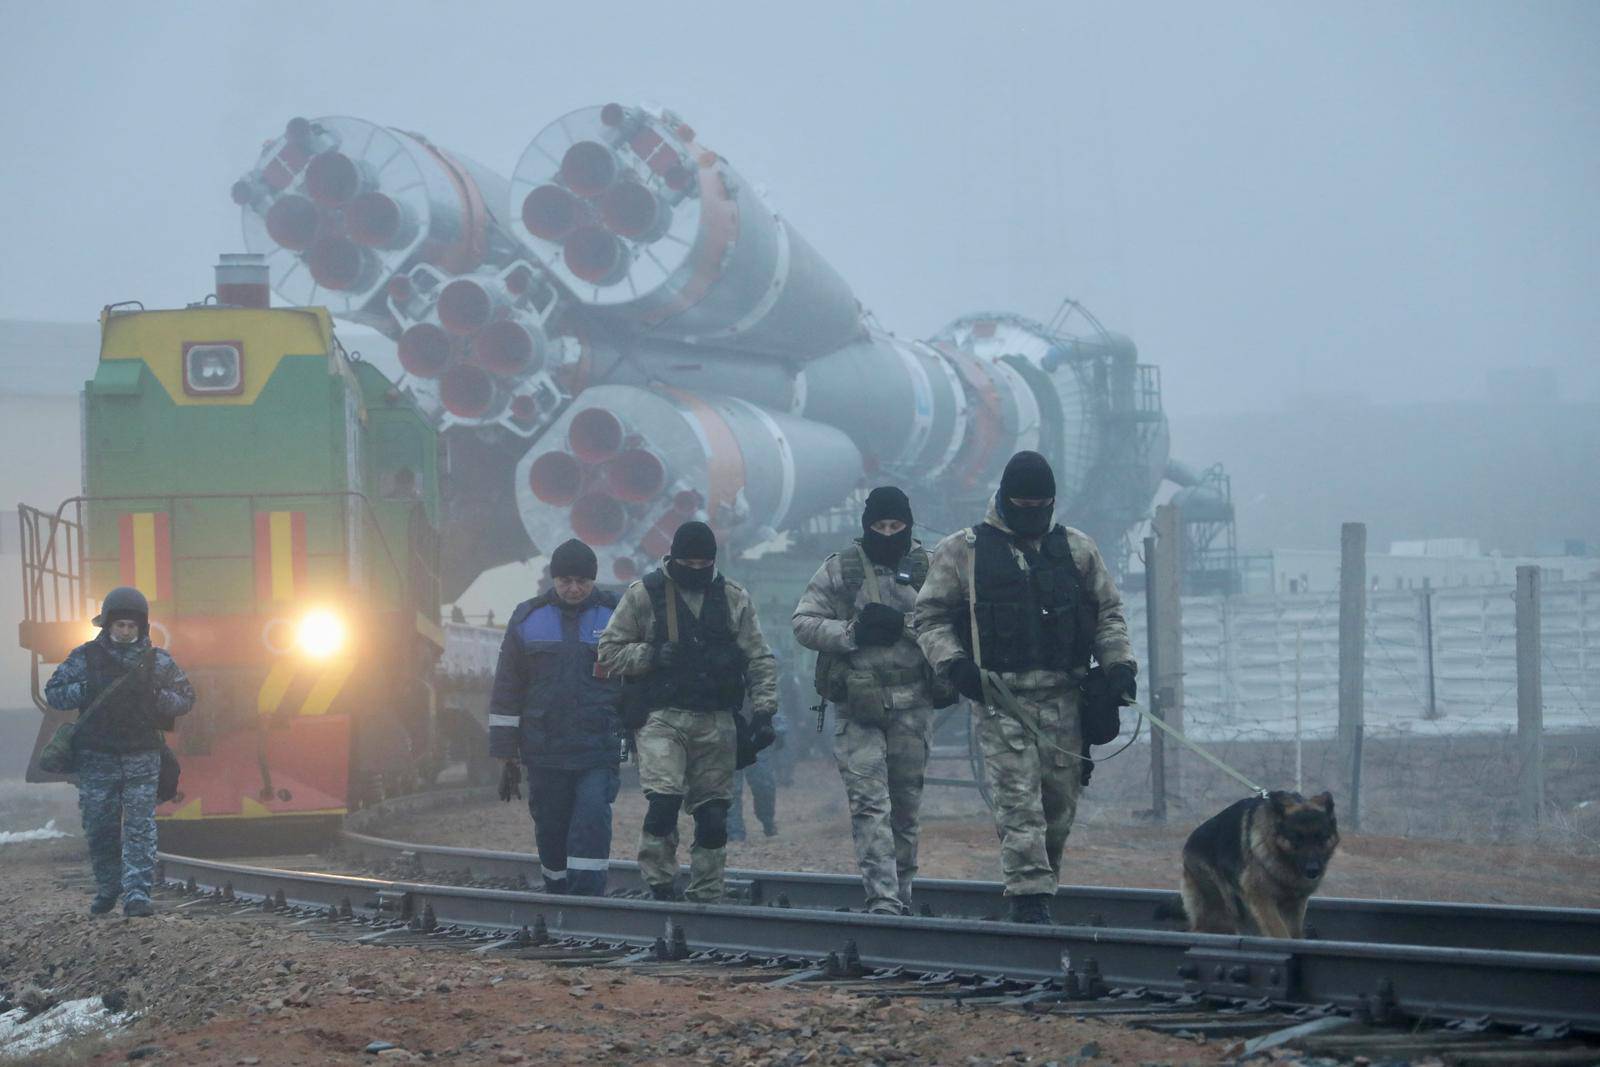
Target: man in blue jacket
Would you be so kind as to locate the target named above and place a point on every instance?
(136, 691)
(552, 711)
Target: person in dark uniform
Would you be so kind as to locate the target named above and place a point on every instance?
(555, 713)
(127, 692)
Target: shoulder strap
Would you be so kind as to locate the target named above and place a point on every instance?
(869, 575)
(672, 611)
(972, 605)
(918, 570)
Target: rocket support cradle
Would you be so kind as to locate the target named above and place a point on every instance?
(634, 336)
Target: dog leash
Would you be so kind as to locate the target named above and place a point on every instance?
(1007, 701)
(1177, 735)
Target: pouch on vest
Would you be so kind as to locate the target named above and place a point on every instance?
(1099, 708)
(865, 702)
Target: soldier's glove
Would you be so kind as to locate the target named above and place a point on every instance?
(967, 679)
(665, 655)
(511, 781)
(1124, 681)
(879, 624)
(762, 734)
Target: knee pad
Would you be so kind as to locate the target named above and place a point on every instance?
(661, 818)
(711, 824)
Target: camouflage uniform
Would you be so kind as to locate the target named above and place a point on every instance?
(883, 757)
(685, 753)
(1034, 780)
(119, 763)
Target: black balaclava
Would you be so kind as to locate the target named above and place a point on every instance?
(694, 540)
(886, 502)
(1028, 477)
(573, 559)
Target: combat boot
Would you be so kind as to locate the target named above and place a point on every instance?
(102, 904)
(769, 827)
(1032, 908)
(663, 892)
(138, 909)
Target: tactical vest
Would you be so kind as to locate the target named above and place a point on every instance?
(1041, 618)
(709, 672)
(833, 668)
(125, 722)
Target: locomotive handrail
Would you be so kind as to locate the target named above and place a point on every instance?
(369, 514)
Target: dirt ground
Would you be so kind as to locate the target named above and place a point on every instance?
(252, 990)
(1109, 846)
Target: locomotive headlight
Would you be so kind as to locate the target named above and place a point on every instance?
(320, 634)
(214, 369)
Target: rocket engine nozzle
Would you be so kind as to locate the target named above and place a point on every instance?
(468, 392)
(508, 348)
(555, 478)
(588, 168)
(424, 350)
(595, 435)
(551, 213)
(334, 179)
(292, 222)
(598, 520)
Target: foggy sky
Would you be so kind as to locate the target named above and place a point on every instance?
(1386, 199)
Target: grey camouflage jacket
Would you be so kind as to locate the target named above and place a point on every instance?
(942, 605)
(628, 639)
(824, 621)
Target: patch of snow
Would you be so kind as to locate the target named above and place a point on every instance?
(43, 833)
(22, 1036)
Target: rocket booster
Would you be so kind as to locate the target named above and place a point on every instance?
(630, 335)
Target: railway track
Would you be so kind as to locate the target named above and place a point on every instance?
(1344, 997)
(1569, 931)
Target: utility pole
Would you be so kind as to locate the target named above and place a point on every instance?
(1432, 711)
(1352, 657)
(1166, 627)
(1530, 698)
(1152, 666)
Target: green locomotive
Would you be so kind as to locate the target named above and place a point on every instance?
(277, 501)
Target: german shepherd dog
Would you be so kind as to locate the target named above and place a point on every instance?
(1250, 868)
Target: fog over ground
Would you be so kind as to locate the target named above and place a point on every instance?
(1388, 200)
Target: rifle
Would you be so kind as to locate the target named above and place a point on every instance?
(821, 708)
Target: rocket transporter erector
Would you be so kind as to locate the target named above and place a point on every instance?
(626, 335)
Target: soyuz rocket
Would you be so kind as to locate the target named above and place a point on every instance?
(626, 335)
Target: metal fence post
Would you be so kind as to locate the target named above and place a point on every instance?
(1152, 666)
(1530, 698)
(1352, 655)
(1167, 625)
(1432, 711)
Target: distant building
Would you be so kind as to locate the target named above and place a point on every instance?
(1442, 563)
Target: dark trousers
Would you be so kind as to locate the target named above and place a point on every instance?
(572, 826)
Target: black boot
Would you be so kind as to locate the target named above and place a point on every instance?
(662, 892)
(138, 909)
(1032, 908)
(769, 827)
(102, 903)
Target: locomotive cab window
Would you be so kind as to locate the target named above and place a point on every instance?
(213, 368)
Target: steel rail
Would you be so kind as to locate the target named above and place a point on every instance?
(1569, 931)
(1520, 988)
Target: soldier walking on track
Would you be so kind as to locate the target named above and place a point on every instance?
(855, 614)
(127, 692)
(1011, 612)
(552, 711)
(689, 639)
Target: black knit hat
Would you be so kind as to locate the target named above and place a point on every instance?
(573, 559)
(1028, 477)
(694, 540)
(885, 502)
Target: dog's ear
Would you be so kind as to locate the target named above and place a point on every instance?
(1324, 801)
